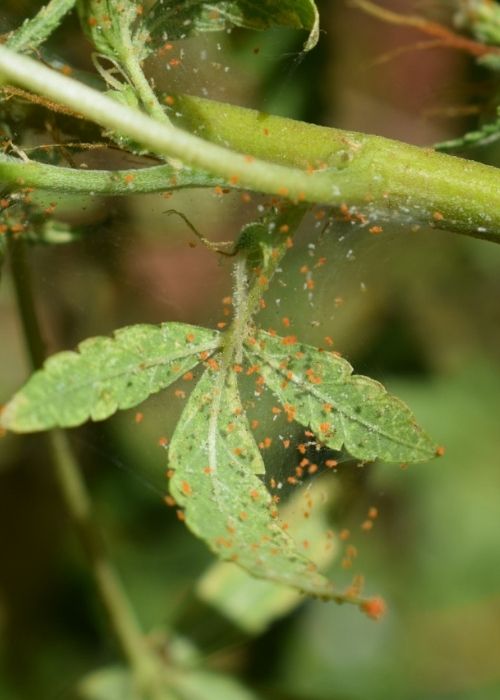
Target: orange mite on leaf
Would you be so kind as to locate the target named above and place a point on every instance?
(375, 608)
(186, 488)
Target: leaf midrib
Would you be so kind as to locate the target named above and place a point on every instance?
(128, 370)
(299, 381)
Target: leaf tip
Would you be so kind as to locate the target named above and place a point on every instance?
(374, 608)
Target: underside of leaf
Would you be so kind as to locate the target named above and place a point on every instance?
(104, 25)
(170, 21)
(318, 390)
(214, 459)
(107, 374)
(253, 604)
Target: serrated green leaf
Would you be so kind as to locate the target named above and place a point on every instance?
(169, 21)
(253, 604)
(105, 21)
(318, 389)
(106, 374)
(35, 30)
(214, 457)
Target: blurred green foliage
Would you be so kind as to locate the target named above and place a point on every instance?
(418, 310)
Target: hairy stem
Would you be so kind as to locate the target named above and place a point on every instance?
(129, 61)
(157, 178)
(240, 301)
(273, 252)
(379, 176)
(143, 663)
(36, 30)
(251, 280)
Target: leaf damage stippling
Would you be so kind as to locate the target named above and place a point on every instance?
(319, 391)
(107, 374)
(214, 460)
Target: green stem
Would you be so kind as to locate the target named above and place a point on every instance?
(159, 138)
(273, 252)
(269, 248)
(36, 30)
(378, 176)
(158, 178)
(240, 322)
(145, 667)
(128, 60)
(24, 297)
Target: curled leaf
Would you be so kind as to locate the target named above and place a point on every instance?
(169, 21)
(106, 374)
(318, 389)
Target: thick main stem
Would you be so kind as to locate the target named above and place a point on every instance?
(378, 175)
(79, 507)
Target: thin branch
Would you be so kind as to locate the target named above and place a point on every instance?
(447, 36)
(221, 247)
(12, 91)
(157, 178)
(147, 670)
(423, 45)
